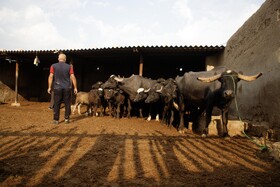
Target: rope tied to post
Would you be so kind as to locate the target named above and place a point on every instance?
(262, 147)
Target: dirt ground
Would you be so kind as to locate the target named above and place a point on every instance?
(103, 151)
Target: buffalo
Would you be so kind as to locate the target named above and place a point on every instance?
(200, 92)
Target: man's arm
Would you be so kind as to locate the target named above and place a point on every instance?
(50, 80)
(74, 81)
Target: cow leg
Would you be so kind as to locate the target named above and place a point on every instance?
(164, 115)
(207, 121)
(110, 108)
(74, 108)
(156, 106)
(171, 118)
(225, 121)
(140, 112)
(150, 113)
(95, 110)
(118, 110)
(182, 115)
(157, 117)
(102, 110)
(128, 108)
(79, 108)
(87, 112)
(90, 109)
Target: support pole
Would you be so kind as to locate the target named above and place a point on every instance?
(141, 66)
(16, 86)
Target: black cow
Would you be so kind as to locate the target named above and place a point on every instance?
(96, 98)
(201, 91)
(152, 98)
(133, 83)
(166, 95)
(129, 86)
(116, 101)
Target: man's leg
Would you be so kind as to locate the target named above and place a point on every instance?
(52, 100)
(67, 102)
(57, 102)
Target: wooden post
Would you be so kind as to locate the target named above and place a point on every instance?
(16, 86)
(141, 66)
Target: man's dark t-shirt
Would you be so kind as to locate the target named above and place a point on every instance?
(62, 72)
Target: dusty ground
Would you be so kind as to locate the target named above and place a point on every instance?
(96, 151)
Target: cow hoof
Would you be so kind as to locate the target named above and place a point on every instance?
(203, 135)
(181, 131)
(226, 136)
(157, 117)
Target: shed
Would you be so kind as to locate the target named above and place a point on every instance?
(97, 64)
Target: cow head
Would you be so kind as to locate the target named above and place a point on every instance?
(110, 83)
(155, 92)
(168, 91)
(152, 97)
(100, 92)
(142, 94)
(108, 93)
(97, 85)
(229, 80)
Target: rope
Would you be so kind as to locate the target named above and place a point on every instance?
(262, 147)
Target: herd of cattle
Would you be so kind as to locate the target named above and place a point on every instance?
(178, 101)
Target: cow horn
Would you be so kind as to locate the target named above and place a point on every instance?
(175, 105)
(249, 78)
(209, 79)
(118, 79)
(146, 91)
(140, 90)
(159, 89)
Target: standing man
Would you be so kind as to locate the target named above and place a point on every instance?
(62, 76)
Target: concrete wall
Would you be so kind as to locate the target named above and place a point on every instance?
(213, 61)
(255, 48)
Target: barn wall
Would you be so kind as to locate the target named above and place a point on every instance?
(7, 73)
(29, 78)
(255, 48)
(213, 61)
(170, 66)
(159, 66)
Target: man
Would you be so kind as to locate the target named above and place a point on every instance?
(61, 76)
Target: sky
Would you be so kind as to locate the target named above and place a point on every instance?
(84, 24)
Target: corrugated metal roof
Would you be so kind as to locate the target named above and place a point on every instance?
(122, 52)
(130, 48)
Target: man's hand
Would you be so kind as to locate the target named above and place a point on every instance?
(75, 91)
(49, 90)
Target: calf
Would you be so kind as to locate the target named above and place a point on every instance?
(82, 99)
(116, 101)
(96, 99)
